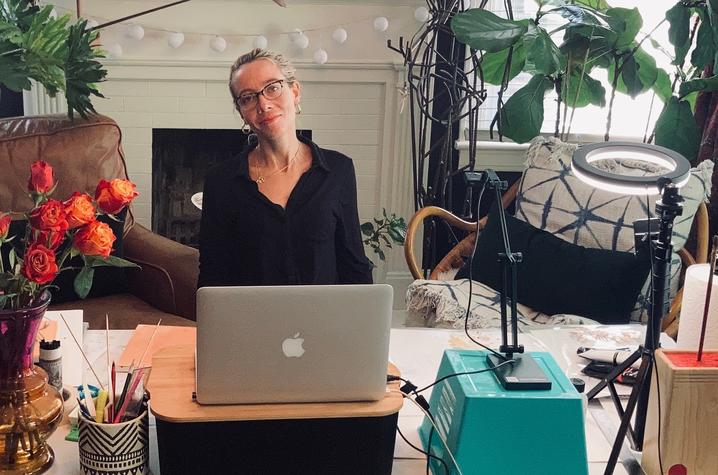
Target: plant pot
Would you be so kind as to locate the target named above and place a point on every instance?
(30, 409)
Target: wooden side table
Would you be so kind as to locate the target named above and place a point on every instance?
(307, 438)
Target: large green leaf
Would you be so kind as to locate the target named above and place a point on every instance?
(493, 64)
(626, 22)
(598, 40)
(542, 55)
(600, 5)
(83, 281)
(82, 70)
(639, 73)
(677, 129)
(662, 86)
(706, 45)
(581, 90)
(13, 73)
(482, 30)
(576, 15)
(522, 115)
(679, 31)
(705, 84)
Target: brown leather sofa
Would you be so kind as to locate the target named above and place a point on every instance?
(81, 153)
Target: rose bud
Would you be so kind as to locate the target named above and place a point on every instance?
(80, 210)
(94, 239)
(49, 216)
(5, 221)
(42, 178)
(49, 239)
(39, 264)
(114, 195)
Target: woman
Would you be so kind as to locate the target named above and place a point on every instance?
(284, 211)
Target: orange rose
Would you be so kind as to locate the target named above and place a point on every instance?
(42, 178)
(114, 195)
(4, 225)
(49, 216)
(39, 264)
(94, 239)
(80, 210)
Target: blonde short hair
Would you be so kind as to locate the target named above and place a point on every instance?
(282, 63)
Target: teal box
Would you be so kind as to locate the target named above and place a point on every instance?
(493, 431)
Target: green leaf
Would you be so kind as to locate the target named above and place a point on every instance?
(599, 41)
(542, 55)
(706, 45)
(367, 228)
(482, 30)
(676, 129)
(12, 258)
(679, 31)
(638, 75)
(396, 235)
(706, 84)
(522, 115)
(590, 91)
(626, 22)
(492, 64)
(662, 86)
(110, 261)
(83, 282)
(576, 15)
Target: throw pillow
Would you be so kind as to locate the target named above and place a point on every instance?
(557, 276)
(550, 197)
(106, 281)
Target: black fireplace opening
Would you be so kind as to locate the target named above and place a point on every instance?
(180, 161)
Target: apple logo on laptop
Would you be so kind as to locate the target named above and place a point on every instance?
(292, 347)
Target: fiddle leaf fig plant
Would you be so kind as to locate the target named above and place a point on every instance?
(37, 45)
(383, 232)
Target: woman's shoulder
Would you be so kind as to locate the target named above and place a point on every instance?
(335, 160)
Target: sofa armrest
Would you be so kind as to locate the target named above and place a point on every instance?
(168, 278)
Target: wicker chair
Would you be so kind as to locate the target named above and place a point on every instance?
(456, 257)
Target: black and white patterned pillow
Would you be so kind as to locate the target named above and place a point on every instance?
(550, 197)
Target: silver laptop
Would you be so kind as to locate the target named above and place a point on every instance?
(311, 343)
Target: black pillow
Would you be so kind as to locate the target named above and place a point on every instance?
(556, 276)
(106, 280)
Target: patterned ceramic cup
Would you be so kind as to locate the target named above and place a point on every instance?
(117, 449)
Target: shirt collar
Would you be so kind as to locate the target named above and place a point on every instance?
(318, 158)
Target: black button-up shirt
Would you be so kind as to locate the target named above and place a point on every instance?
(245, 239)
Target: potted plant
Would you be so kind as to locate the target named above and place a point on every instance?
(37, 45)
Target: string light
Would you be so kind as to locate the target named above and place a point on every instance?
(339, 35)
(136, 32)
(381, 23)
(175, 39)
(320, 56)
(260, 42)
(421, 14)
(114, 51)
(302, 41)
(218, 44)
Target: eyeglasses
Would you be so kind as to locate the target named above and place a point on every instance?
(271, 91)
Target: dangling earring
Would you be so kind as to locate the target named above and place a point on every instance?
(246, 129)
(298, 109)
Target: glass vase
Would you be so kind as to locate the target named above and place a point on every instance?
(30, 408)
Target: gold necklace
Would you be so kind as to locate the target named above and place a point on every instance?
(261, 179)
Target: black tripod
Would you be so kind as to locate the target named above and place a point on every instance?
(668, 207)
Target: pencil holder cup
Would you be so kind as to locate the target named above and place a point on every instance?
(117, 449)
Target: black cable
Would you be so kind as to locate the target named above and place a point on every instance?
(427, 454)
(471, 280)
(654, 343)
(464, 374)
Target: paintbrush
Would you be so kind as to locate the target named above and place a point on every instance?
(152, 337)
(83, 352)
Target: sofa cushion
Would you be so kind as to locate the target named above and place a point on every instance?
(558, 277)
(551, 198)
(125, 312)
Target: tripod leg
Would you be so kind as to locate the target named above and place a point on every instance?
(643, 371)
(619, 408)
(615, 373)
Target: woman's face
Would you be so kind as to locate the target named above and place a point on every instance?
(268, 118)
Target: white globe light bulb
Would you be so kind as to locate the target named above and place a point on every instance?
(295, 34)
(421, 14)
(114, 51)
(136, 32)
(218, 44)
(260, 42)
(339, 35)
(175, 39)
(320, 56)
(381, 23)
(302, 41)
(90, 24)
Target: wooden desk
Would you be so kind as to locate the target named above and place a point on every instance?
(312, 438)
